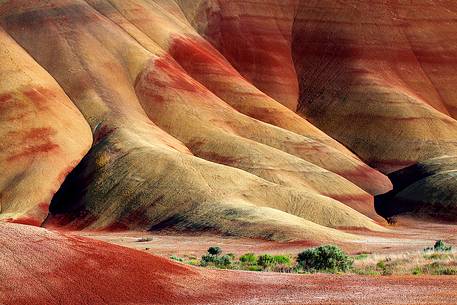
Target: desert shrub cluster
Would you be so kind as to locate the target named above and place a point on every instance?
(436, 260)
(321, 259)
(327, 258)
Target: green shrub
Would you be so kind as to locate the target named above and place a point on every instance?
(417, 271)
(386, 269)
(220, 262)
(214, 251)
(224, 261)
(179, 259)
(361, 256)
(437, 268)
(440, 246)
(194, 262)
(281, 259)
(248, 259)
(327, 258)
(265, 260)
(207, 259)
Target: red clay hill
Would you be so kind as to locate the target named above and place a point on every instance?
(273, 119)
(278, 119)
(200, 113)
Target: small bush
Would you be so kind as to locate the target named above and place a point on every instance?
(207, 259)
(327, 258)
(193, 262)
(440, 246)
(248, 258)
(437, 268)
(220, 262)
(281, 259)
(214, 251)
(386, 269)
(361, 256)
(417, 271)
(224, 261)
(271, 261)
(176, 258)
(265, 260)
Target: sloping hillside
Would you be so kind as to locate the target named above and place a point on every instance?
(270, 119)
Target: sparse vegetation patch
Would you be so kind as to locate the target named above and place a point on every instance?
(437, 260)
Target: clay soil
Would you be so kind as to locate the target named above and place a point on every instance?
(241, 287)
(39, 266)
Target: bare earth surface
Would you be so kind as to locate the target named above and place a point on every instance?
(406, 236)
(39, 266)
(276, 288)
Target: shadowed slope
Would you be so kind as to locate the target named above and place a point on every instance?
(426, 189)
(39, 126)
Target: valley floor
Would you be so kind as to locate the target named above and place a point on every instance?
(408, 236)
(40, 266)
(407, 239)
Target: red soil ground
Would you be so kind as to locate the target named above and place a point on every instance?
(39, 266)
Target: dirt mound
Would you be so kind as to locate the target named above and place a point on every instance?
(42, 267)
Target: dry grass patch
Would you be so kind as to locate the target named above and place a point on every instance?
(416, 263)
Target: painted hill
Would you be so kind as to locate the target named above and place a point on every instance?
(270, 119)
(378, 77)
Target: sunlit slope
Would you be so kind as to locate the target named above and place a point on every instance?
(141, 172)
(203, 63)
(379, 77)
(43, 135)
